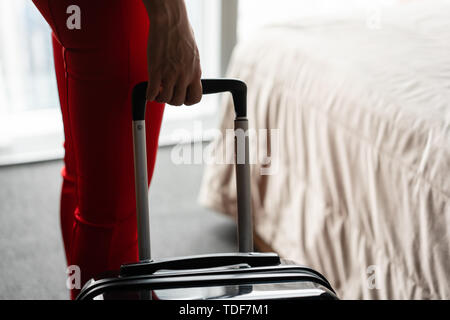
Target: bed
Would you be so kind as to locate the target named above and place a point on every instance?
(355, 181)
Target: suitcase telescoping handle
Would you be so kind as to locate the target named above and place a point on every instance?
(238, 89)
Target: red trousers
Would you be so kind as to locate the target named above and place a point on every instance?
(97, 63)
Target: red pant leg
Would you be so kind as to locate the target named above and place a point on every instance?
(68, 202)
(101, 63)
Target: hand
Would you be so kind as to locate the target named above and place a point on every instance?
(173, 59)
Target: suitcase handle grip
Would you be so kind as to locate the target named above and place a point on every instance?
(200, 262)
(238, 90)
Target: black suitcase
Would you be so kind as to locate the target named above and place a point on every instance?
(244, 275)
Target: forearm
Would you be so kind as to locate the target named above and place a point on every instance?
(170, 12)
(174, 69)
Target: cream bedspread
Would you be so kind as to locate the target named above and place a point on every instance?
(362, 190)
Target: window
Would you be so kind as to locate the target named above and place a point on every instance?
(30, 120)
(28, 95)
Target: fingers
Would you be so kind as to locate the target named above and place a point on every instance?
(179, 94)
(165, 95)
(153, 88)
(175, 93)
(173, 60)
(193, 93)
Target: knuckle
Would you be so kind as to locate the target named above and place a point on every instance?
(198, 98)
(162, 95)
(169, 78)
(178, 100)
(189, 102)
(183, 81)
(193, 100)
(160, 100)
(153, 91)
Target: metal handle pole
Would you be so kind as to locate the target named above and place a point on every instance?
(141, 184)
(245, 225)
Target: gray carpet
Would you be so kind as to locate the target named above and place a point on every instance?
(32, 264)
